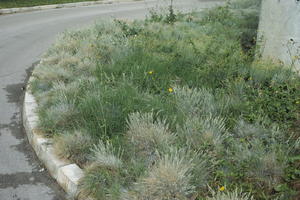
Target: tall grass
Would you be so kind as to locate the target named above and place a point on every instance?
(170, 110)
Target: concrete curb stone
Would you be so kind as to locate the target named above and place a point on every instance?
(55, 6)
(67, 174)
(68, 178)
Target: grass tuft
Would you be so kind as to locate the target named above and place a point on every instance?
(105, 155)
(168, 179)
(148, 136)
(73, 146)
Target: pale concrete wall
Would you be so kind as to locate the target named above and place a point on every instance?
(279, 30)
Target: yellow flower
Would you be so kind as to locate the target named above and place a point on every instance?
(250, 78)
(297, 102)
(150, 72)
(170, 90)
(222, 188)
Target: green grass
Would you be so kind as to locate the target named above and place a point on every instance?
(29, 3)
(173, 107)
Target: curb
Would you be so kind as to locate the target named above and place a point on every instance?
(55, 6)
(67, 174)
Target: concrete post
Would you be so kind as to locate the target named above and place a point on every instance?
(279, 31)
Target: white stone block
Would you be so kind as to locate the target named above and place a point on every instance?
(68, 178)
(29, 98)
(50, 160)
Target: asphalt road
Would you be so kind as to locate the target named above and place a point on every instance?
(23, 39)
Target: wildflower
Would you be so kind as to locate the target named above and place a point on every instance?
(250, 78)
(150, 72)
(297, 102)
(222, 188)
(170, 90)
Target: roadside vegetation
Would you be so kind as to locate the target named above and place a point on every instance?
(29, 3)
(176, 107)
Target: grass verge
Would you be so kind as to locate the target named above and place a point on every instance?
(173, 107)
(30, 3)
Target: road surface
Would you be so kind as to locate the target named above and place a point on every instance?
(23, 39)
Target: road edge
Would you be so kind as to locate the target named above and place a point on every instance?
(66, 173)
(56, 6)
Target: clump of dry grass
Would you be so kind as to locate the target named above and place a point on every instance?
(147, 135)
(204, 132)
(192, 102)
(56, 116)
(263, 164)
(105, 155)
(73, 146)
(168, 179)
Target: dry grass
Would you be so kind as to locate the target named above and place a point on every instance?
(73, 146)
(169, 179)
(148, 136)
